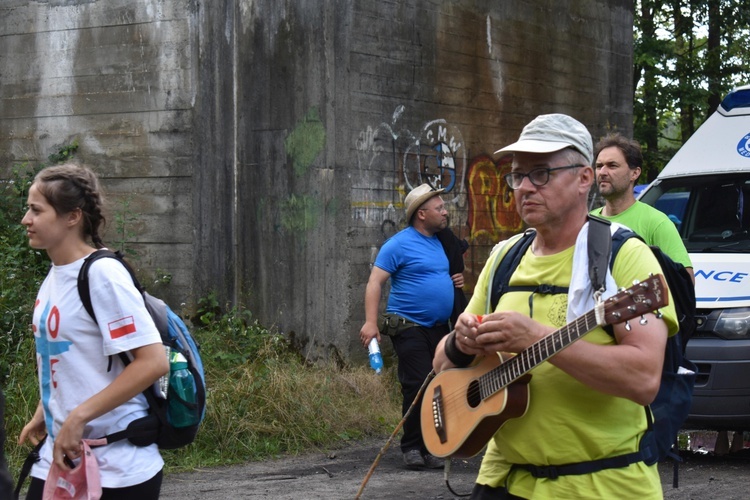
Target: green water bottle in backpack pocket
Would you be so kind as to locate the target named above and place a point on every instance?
(182, 410)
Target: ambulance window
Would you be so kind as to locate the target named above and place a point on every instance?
(673, 204)
(720, 213)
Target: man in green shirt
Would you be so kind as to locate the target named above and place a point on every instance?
(618, 167)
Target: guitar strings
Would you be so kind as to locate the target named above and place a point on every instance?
(514, 367)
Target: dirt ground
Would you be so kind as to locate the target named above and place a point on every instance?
(338, 474)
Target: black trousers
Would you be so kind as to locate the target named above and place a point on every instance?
(415, 348)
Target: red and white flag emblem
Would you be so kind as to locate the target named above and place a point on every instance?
(121, 327)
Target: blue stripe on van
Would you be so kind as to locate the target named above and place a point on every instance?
(721, 299)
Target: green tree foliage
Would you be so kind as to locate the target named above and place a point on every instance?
(22, 270)
(688, 54)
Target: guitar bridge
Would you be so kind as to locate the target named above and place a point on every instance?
(437, 414)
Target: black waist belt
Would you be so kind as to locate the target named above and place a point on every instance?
(393, 324)
(579, 468)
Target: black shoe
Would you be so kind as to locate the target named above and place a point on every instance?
(433, 462)
(413, 460)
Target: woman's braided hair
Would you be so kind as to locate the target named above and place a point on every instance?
(68, 187)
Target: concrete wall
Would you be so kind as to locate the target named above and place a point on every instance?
(118, 78)
(267, 145)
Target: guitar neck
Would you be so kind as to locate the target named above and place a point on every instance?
(519, 365)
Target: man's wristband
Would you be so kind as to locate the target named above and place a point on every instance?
(454, 354)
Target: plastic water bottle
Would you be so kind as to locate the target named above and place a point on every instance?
(162, 385)
(376, 359)
(182, 410)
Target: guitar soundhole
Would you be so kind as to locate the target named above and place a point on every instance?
(472, 396)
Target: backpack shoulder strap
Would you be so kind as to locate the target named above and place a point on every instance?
(599, 248)
(508, 264)
(31, 459)
(85, 294)
(617, 240)
(83, 276)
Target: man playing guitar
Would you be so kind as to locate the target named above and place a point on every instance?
(587, 402)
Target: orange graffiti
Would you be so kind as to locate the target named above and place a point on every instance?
(492, 211)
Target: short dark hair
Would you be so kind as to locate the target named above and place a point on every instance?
(630, 149)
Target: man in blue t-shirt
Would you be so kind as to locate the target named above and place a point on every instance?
(419, 305)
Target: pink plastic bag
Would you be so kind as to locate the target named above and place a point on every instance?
(81, 483)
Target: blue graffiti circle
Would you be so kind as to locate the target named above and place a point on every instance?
(743, 148)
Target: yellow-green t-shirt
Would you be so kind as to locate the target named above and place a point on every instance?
(566, 421)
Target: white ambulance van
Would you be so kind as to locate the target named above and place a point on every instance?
(705, 190)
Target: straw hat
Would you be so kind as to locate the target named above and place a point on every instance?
(417, 197)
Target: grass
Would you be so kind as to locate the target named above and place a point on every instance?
(264, 400)
(275, 403)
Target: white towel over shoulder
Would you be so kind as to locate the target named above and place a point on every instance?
(580, 291)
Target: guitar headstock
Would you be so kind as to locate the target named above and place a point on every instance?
(639, 299)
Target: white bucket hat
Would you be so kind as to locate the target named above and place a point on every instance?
(550, 133)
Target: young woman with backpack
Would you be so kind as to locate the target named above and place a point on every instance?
(86, 391)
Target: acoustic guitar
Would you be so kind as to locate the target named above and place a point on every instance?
(464, 407)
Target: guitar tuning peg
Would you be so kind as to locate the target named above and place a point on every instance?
(643, 321)
(627, 326)
(635, 282)
(659, 314)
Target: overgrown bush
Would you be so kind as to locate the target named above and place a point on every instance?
(22, 270)
(264, 399)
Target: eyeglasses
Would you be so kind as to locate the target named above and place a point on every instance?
(538, 177)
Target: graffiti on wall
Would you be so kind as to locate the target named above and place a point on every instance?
(492, 213)
(438, 158)
(393, 159)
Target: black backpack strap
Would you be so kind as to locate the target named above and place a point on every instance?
(599, 248)
(646, 453)
(83, 276)
(32, 458)
(618, 239)
(84, 293)
(506, 268)
(576, 469)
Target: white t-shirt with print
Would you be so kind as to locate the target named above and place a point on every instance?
(73, 360)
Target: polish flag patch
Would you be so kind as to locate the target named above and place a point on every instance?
(121, 327)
